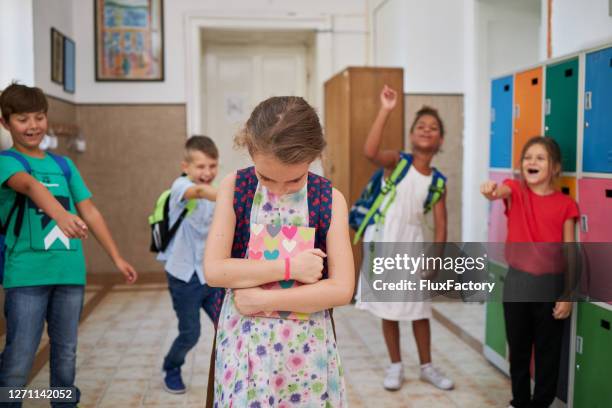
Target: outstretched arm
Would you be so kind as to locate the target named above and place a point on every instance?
(493, 191)
(337, 290)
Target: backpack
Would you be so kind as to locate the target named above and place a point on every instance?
(19, 205)
(161, 231)
(367, 209)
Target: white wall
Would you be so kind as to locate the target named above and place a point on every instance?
(504, 37)
(16, 42)
(577, 25)
(426, 38)
(47, 14)
(348, 43)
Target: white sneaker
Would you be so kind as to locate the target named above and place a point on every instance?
(434, 376)
(394, 377)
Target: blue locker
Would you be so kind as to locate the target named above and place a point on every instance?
(500, 152)
(597, 150)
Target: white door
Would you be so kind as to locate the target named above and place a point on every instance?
(237, 78)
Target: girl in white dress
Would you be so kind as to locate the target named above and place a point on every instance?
(403, 222)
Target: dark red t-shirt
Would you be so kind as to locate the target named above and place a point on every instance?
(535, 218)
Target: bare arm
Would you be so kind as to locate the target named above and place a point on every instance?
(100, 230)
(493, 191)
(337, 290)
(384, 158)
(71, 225)
(205, 191)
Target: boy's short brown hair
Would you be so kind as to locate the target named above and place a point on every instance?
(202, 144)
(17, 98)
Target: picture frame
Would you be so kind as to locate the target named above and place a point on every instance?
(129, 40)
(69, 65)
(57, 56)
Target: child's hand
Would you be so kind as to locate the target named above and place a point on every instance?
(126, 270)
(71, 225)
(489, 189)
(562, 310)
(249, 301)
(388, 98)
(307, 267)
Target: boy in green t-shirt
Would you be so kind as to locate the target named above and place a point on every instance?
(44, 266)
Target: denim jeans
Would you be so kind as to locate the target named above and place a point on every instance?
(187, 300)
(25, 310)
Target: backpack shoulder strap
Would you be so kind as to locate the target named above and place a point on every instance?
(19, 158)
(20, 200)
(244, 192)
(319, 195)
(436, 190)
(63, 164)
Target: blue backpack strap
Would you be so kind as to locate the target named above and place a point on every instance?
(63, 164)
(244, 191)
(20, 200)
(436, 190)
(319, 195)
(19, 158)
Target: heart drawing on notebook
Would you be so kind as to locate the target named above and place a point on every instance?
(271, 243)
(307, 234)
(289, 245)
(273, 230)
(289, 231)
(257, 228)
(286, 284)
(271, 255)
(255, 255)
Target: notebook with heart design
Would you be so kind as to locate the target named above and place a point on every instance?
(271, 242)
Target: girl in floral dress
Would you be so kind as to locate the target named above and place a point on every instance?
(280, 362)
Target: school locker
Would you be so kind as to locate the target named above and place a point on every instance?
(352, 101)
(593, 365)
(567, 185)
(500, 150)
(495, 329)
(561, 109)
(527, 110)
(597, 150)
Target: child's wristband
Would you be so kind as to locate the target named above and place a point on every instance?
(287, 269)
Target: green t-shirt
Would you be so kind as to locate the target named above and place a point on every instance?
(42, 254)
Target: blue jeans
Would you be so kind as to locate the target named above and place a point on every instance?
(187, 300)
(26, 310)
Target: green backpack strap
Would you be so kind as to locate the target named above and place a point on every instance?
(436, 190)
(388, 187)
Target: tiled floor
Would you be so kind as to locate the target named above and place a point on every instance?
(123, 341)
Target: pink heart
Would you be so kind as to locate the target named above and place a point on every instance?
(303, 246)
(255, 255)
(290, 231)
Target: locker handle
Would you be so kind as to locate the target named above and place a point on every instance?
(608, 193)
(548, 106)
(534, 81)
(492, 115)
(517, 111)
(584, 223)
(506, 88)
(587, 100)
(569, 72)
(605, 324)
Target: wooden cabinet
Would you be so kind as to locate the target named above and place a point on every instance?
(351, 105)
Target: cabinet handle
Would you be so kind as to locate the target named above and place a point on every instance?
(517, 111)
(584, 223)
(548, 106)
(578, 347)
(492, 115)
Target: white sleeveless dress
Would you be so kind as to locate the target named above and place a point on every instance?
(403, 223)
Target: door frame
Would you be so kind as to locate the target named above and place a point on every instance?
(195, 22)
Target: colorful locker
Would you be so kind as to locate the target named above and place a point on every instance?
(561, 109)
(501, 123)
(495, 329)
(593, 357)
(527, 110)
(567, 185)
(597, 150)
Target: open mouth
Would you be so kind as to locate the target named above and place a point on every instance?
(532, 171)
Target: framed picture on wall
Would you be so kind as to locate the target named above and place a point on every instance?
(129, 40)
(69, 65)
(57, 56)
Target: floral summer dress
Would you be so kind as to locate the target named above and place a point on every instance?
(268, 362)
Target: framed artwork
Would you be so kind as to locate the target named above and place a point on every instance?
(69, 65)
(129, 40)
(57, 56)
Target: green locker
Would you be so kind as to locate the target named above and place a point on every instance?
(561, 109)
(593, 369)
(495, 329)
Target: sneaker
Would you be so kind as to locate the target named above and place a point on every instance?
(394, 377)
(173, 383)
(434, 376)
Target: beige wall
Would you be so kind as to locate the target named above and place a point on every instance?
(450, 160)
(133, 154)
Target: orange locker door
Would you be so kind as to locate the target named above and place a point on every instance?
(527, 110)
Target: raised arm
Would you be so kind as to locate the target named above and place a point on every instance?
(71, 225)
(384, 158)
(337, 290)
(205, 191)
(221, 270)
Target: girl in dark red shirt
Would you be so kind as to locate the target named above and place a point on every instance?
(537, 213)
